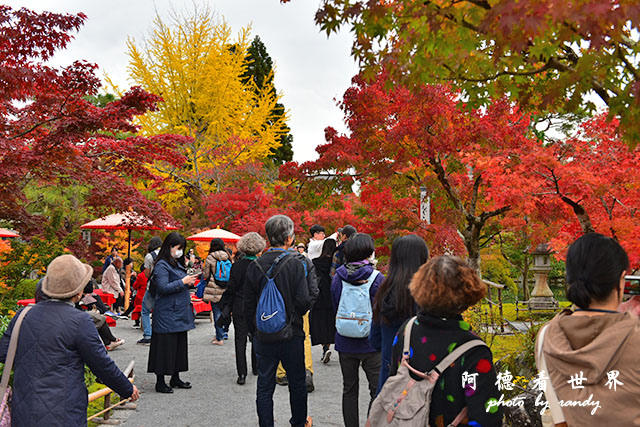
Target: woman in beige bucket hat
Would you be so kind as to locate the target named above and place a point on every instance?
(56, 341)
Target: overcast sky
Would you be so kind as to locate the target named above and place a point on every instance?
(311, 70)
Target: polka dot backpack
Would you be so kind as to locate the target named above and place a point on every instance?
(405, 402)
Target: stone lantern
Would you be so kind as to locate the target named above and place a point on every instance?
(542, 296)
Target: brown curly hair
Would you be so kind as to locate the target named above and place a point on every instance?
(446, 286)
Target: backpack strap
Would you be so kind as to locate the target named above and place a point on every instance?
(11, 352)
(273, 265)
(453, 356)
(556, 411)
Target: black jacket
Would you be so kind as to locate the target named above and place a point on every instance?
(291, 282)
(322, 267)
(233, 297)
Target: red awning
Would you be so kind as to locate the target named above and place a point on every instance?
(125, 221)
(219, 233)
(8, 233)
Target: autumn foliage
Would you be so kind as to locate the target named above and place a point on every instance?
(51, 135)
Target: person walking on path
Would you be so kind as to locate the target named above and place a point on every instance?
(286, 344)
(55, 343)
(314, 248)
(355, 276)
(249, 246)
(338, 257)
(443, 288)
(172, 315)
(312, 284)
(213, 266)
(393, 303)
(322, 316)
(599, 341)
(149, 300)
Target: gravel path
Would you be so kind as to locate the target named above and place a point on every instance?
(216, 399)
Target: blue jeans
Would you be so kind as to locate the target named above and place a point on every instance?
(217, 311)
(291, 354)
(147, 307)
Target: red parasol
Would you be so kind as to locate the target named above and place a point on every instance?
(8, 233)
(215, 233)
(125, 221)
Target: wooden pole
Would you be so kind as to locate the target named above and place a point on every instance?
(127, 278)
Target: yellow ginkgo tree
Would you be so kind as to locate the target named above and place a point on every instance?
(196, 64)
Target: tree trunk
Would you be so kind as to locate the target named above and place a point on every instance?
(472, 242)
(525, 278)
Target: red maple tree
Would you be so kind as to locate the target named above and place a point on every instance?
(51, 135)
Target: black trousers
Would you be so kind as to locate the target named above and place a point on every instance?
(105, 334)
(350, 364)
(240, 338)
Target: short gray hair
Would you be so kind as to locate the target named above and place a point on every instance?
(278, 228)
(251, 243)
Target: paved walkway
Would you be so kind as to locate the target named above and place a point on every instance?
(216, 399)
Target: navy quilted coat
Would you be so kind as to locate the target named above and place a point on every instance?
(56, 341)
(173, 311)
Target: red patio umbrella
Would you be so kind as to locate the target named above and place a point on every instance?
(215, 233)
(125, 221)
(8, 233)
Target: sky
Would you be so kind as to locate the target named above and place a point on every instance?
(311, 70)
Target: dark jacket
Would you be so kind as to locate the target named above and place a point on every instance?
(432, 338)
(322, 268)
(356, 274)
(338, 259)
(291, 283)
(234, 296)
(56, 341)
(173, 311)
(310, 274)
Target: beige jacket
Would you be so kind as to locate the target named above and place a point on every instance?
(111, 281)
(213, 292)
(595, 347)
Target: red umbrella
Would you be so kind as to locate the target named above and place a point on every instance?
(125, 221)
(8, 233)
(215, 233)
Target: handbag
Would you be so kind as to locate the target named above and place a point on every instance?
(553, 416)
(5, 390)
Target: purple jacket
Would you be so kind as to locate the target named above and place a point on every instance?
(356, 273)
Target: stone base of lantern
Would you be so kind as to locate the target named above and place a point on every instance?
(542, 303)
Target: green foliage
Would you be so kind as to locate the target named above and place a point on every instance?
(498, 270)
(260, 69)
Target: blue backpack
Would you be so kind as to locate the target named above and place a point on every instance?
(223, 271)
(272, 321)
(354, 315)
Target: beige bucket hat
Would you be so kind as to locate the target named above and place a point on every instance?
(66, 276)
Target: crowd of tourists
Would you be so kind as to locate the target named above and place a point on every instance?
(404, 329)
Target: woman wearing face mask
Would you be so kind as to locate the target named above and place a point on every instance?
(172, 315)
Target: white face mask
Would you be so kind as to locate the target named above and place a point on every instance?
(177, 254)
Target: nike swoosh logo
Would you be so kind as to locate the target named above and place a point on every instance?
(265, 318)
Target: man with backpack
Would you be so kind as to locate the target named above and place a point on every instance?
(276, 298)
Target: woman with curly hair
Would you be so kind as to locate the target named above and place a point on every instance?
(249, 248)
(443, 288)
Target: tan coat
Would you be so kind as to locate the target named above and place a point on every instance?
(596, 346)
(213, 292)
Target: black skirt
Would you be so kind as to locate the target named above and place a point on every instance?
(322, 326)
(168, 353)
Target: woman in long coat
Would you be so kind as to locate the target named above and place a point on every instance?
(172, 315)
